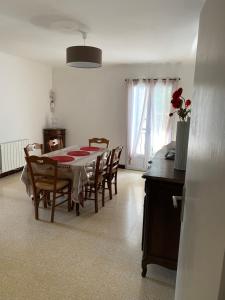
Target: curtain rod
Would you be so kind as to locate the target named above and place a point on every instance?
(152, 79)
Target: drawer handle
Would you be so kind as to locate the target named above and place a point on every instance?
(175, 199)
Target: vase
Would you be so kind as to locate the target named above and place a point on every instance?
(182, 144)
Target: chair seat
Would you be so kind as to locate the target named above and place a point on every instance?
(48, 186)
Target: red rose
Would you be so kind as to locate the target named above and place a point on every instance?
(177, 93)
(180, 91)
(176, 103)
(187, 102)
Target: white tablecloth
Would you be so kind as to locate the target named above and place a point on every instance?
(74, 170)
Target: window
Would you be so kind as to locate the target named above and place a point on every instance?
(149, 125)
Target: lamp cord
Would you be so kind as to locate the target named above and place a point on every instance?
(84, 35)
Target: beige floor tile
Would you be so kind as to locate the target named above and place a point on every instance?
(93, 256)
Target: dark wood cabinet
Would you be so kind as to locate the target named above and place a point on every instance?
(53, 133)
(161, 220)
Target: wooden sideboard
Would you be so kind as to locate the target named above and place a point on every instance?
(53, 133)
(161, 220)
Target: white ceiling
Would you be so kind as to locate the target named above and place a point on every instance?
(128, 31)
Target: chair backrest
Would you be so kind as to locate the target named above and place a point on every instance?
(42, 169)
(115, 159)
(34, 148)
(101, 166)
(55, 144)
(99, 141)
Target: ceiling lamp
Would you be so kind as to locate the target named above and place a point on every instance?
(84, 56)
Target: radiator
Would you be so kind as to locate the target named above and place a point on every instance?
(12, 155)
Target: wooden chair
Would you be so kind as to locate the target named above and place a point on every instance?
(99, 141)
(111, 175)
(96, 179)
(45, 182)
(34, 148)
(55, 144)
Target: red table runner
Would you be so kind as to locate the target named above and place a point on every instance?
(78, 153)
(62, 158)
(90, 148)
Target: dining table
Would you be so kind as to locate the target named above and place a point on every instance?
(74, 163)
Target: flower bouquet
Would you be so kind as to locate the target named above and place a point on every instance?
(181, 105)
(182, 108)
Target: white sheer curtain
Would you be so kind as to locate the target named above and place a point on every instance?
(137, 107)
(149, 126)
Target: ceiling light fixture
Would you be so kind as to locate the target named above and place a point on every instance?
(84, 56)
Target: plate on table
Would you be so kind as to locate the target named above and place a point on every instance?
(62, 158)
(90, 148)
(78, 153)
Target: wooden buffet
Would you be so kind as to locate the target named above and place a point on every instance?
(161, 220)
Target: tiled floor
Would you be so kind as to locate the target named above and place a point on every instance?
(93, 256)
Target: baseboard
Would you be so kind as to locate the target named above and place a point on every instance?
(122, 166)
(11, 172)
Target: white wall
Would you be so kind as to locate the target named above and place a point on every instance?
(201, 268)
(92, 103)
(24, 98)
(88, 102)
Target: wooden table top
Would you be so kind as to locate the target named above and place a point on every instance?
(162, 169)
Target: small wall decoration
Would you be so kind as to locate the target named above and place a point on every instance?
(52, 101)
(53, 120)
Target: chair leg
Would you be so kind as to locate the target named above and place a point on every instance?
(103, 193)
(69, 197)
(53, 208)
(36, 205)
(45, 201)
(109, 184)
(90, 192)
(72, 205)
(77, 209)
(115, 183)
(96, 199)
(48, 195)
(85, 192)
(45, 204)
